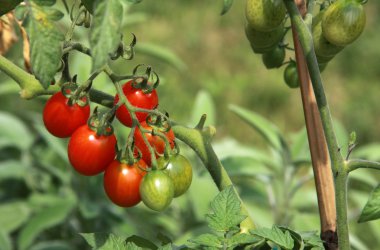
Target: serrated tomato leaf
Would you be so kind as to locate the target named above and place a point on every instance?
(104, 241)
(207, 240)
(275, 235)
(226, 212)
(105, 30)
(45, 42)
(371, 210)
(240, 239)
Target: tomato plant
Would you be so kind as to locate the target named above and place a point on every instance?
(122, 182)
(137, 97)
(90, 153)
(61, 119)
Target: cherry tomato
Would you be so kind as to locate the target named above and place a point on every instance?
(274, 58)
(179, 169)
(155, 141)
(343, 22)
(157, 190)
(61, 119)
(137, 98)
(324, 50)
(89, 153)
(122, 182)
(262, 42)
(265, 15)
(291, 75)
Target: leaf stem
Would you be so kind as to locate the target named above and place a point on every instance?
(357, 163)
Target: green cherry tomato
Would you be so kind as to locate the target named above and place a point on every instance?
(323, 48)
(262, 42)
(274, 58)
(179, 169)
(343, 22)
(157, 190)
(265, 15)
(291, 75)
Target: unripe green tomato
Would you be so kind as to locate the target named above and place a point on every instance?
(262, 42)
(179, 169)
(323, 48)
(343, 22)
(265, 15)
(157, 190)
(291, 76)
(274, 58)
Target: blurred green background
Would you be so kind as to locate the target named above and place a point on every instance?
(205, 64)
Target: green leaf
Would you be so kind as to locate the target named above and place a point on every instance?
(225, 211)
(44, 219)
(5, 241)
(103, 241)
(89, 4)
(45, 42)
(166, 247)
(207, 240)
(105, 31)
(141, 242)
(368, 152)
(51, 245)
(45, 2)
(129, 246)
(371, 210)
(227, 4)
(8, 5)
(13, 132)
(312, 239)
(12, 170)
(14, 214)
(297, 237)
(161, 53)
(268, 130)
(242, 239)
(244, 166)
(133, 1)
(203, 105)
(276, 236)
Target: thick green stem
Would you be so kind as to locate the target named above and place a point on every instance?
(341, 209)
(200, 141)
(337, 162)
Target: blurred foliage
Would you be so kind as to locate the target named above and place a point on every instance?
(205, 64)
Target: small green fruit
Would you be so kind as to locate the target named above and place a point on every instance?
(265, 15)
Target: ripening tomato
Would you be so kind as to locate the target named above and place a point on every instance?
(291, 75)
(265, 15)
(89, 153)
(137, 98)
(61, 119)
(155, 141)
(157, 190)
(343, 22)
(122, 182)
(179, 169)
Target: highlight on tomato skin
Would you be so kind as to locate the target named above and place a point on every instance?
(90, 154)
(136, 98)
(61, 119)
(122, 182)
(155, 141)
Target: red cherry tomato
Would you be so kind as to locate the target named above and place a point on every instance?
(90, 154)
(137, 98)
(61, 119)
(122, 182)
(155, 141)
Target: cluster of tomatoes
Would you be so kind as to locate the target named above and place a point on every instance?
(335, 26)
(129, 176)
